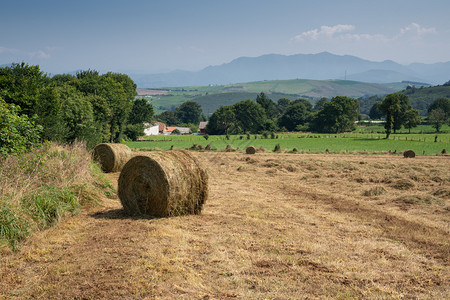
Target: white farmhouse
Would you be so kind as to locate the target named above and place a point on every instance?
(151, 129)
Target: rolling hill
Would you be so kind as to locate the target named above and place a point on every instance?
(321, 66)
(212, 97)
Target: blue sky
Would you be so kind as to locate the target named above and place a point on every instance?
(137, 36)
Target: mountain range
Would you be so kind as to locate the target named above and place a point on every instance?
(321, 66)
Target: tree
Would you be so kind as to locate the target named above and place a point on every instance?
(412, 119)
(18, 133)
(250, 116)
(296, 114)
(400, 114)
(338, 115)
(270, 108)
(168, 117)
(189, 112)
(222, 121)
(142, 112)
(283, 104)
(442, 103)
(375, 113)
(389, 106)
(437, 118)
(134, 131)
(319, 104)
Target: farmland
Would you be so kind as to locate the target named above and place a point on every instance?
(212, 97)
(275, 226)
(369, 140)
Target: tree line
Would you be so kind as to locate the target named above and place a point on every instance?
(86, 106)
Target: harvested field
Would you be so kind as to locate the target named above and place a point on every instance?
(283, 226)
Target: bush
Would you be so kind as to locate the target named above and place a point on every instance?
(18, 134)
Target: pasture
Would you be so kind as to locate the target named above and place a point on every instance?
(366, 140)
(275, 226)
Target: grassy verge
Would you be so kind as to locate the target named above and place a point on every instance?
(37, 189)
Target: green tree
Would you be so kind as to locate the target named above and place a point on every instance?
(375, 113)
(189, 112)
(443, 104)
(142, 112)
(400, 114)
(337, 115)
(437, 118)
(250, 116)
(412, 119)
(18, 133)
(320, 103)
(283, 104)
(222, 121)
(134, 131)
(389, 106)
(270, 108)
(168, 117)
(296, 114)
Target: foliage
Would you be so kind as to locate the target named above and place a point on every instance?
(442, 103)
(222, 121)
(189, 112)
(59, 180)
(296, 114)
(390, 106)
(134, 131)
(176, 131)
(412, 119)
(270, 108)
(338, 115)
(142, 112)
(250, 116)
(437, 118)
(18, 134)
(375, 113)
(320, 103)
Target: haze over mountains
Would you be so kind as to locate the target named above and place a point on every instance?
(321, 66)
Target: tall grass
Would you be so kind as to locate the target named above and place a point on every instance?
(37, 189)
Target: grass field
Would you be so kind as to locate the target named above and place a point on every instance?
(364, 139)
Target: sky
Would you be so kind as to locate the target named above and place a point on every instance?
(152, 36)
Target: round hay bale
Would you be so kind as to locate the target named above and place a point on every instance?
(112, 157)
(228, 148)
(168, 183)
(261, 149)
(250, 150)
(409, 154)
(295, 150)
(208, 147)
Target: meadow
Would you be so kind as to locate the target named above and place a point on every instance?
(366, 139)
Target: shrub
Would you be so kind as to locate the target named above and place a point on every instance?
(18, 134)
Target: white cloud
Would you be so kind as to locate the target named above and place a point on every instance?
(39, 54)
(344, 32)
(324, 31)
(417, 30)
(7, 50)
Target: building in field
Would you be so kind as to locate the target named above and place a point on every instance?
(202, 127)
(151, 129)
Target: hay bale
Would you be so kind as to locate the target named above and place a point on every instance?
(261, 149)
(409, 154)
(208, 147)
(295, 150)
(112, 157)
(168, 183)
(228, 148)
(250, 150)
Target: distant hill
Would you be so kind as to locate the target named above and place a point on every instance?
(321, 66)
(212, 97)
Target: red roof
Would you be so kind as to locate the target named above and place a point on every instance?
(162, 126)
(171, 128)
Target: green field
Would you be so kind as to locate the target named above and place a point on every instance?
(360, 141)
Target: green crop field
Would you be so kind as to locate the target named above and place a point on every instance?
(359, 141)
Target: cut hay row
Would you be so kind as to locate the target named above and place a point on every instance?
(112, 157)
(168, 183)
